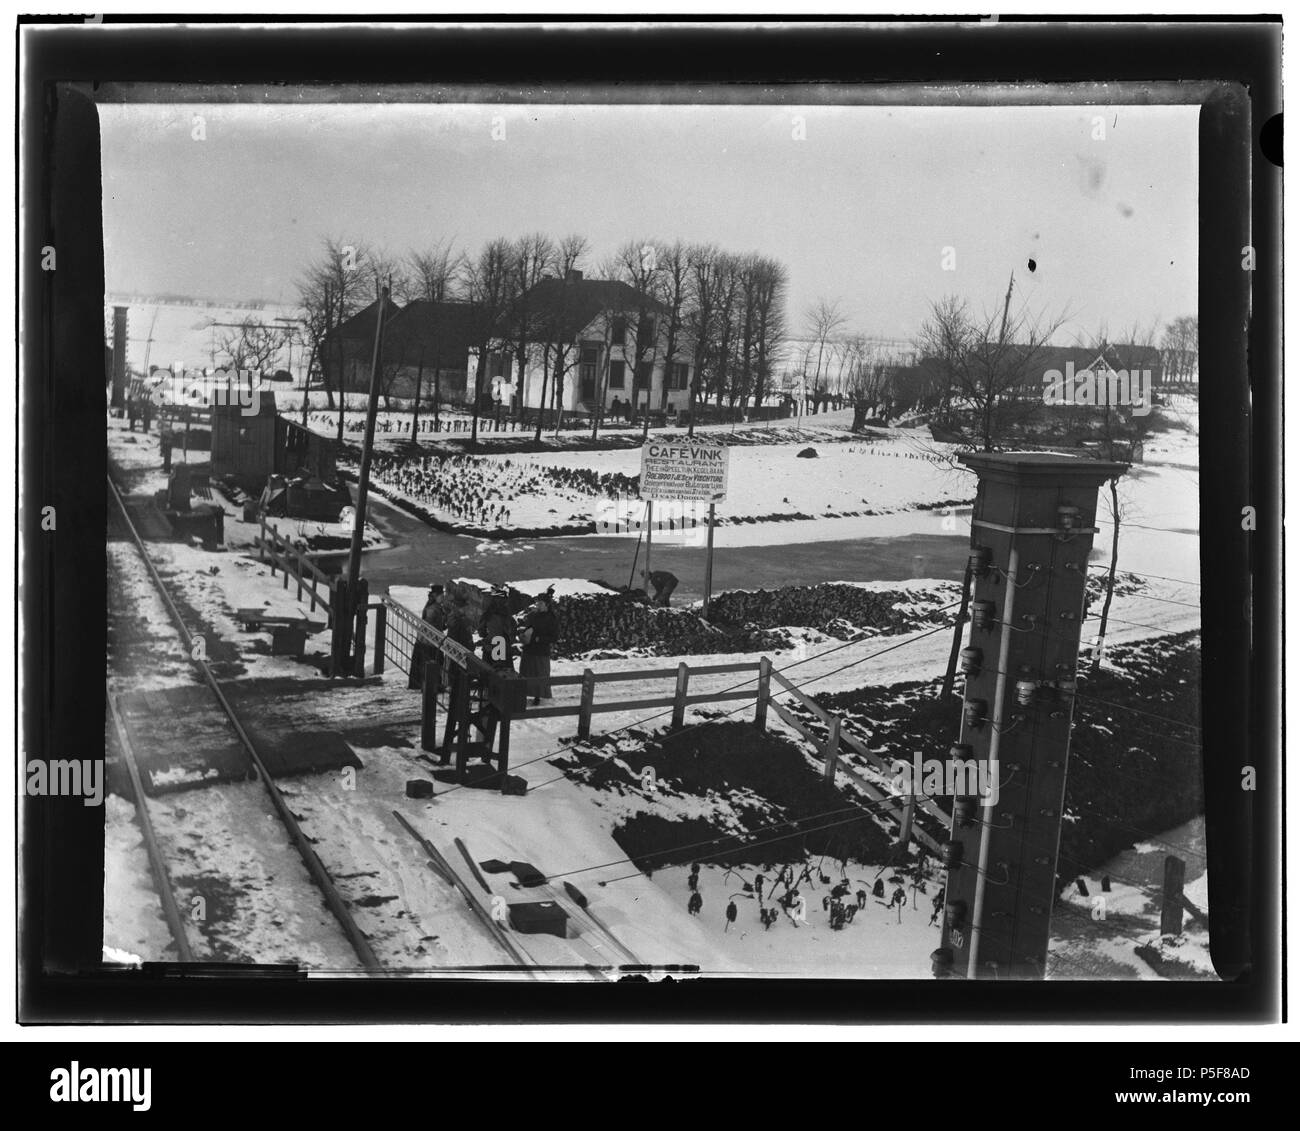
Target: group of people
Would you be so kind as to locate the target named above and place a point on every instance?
(139, 408)
(501, 637)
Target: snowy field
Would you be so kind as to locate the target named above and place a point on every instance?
(184, 335)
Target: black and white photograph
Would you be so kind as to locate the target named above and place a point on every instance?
(591, 532)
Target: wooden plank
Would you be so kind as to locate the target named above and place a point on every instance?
(722, 669)
(926, 804)
(832, 750)
(443, 868)
(793, 720)
(804, 700)
(763, 693)
(874, 792)
(664, 673)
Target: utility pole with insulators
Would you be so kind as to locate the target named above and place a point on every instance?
(1031, 535)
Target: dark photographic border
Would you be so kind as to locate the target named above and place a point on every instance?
(1235, 66)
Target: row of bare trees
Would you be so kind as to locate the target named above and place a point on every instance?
(719, 313)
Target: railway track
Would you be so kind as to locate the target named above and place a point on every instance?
(121, 520)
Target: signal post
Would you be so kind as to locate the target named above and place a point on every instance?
(1031, 535)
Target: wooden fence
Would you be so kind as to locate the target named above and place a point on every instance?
(509, 694)
(319, 586)
(830, 743)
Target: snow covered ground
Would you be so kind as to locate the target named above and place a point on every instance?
(221, 835)
(1098, 935)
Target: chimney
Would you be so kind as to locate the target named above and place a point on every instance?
(119, 356)
(573, 275)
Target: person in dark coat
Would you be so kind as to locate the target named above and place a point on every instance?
(458, 623)
(695, 904)
(731, 916)
(663, 584)
(541, 630)
(497, 630)
(879, 890)
(459, 630)
(434, 613)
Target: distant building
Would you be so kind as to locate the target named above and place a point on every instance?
(428, 342)
(610, 339)
(349, 347)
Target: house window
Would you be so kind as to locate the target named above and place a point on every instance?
(643, 375)
(618, 331)
(617, 370)
(645, 332)
(681, 375)
(588, 358)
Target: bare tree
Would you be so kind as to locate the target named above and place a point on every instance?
(1180, 348)
(637, 312)
(769, 280)
(331, 289)
(674, 291)
(823, 320)
(432, 273)
(990, 366)
(726, 325)
(531, 256)
(251, 346)
(703, 262)
(488, 281)
(557, 324)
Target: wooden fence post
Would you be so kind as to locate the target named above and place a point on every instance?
(381, 637)
(462, 730)
(359, 636)
(297, 572)
(261, 542)
(679, 700)
(313, 592)
(429, 707)
(832, 749)
(588, 696)
(764, 692)
(456, 686)
(1171, 901)
(503, 763)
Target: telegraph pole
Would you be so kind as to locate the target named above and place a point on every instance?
(352, 601)
(1031, 532)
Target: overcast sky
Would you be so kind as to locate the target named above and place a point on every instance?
(860, 210)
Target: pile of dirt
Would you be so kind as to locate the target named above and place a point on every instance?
(769, 804)
(839, 610)
(594, 622)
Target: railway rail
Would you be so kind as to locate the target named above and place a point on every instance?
(356, 938)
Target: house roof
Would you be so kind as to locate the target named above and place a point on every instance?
(445, 327)
(362, 323)
(565, 307)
